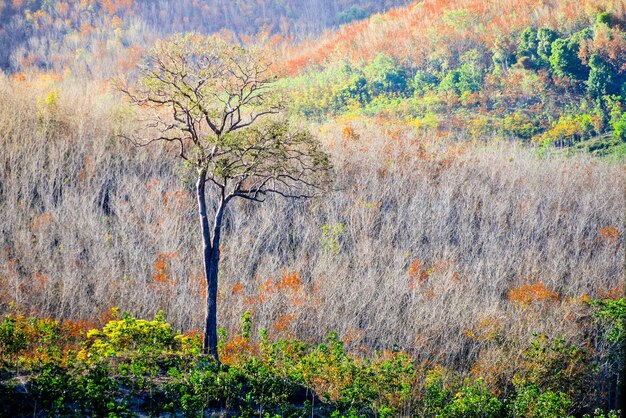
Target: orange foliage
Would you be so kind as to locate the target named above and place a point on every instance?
(290, 281)
(413, 33)
(131, 58)
(352, 335)
(237, 350)
(609, 234)
(349, 133)
(62, 8)
(266, 289)
(36, 332)
(40, 281)
(529, 293)
(162, 268)
(116, 22)
(113, 6)
(18, 77)
(487, 329)
(418, 273)
(283, 323)
(237, 288)
(41, 222)
(85, 29)
(613, 294)
(106, 315)
(582, 299)
(173, 200)
(79, 327)
(289, 284)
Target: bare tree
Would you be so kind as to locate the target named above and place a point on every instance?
(217, 103)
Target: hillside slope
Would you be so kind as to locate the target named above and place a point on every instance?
(44, 33)
(551, 71)
(470, 253)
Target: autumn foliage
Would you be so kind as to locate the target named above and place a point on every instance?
(527, 294)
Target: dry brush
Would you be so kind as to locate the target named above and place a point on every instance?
(443, 250)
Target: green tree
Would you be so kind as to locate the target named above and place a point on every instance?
(355, 92)
(564, 58)
(530, 402)
(468, 77)
(386, 76)
(601, 79)
(471, 72)
(528, 45)
(619, 127)
(545, 37)
(423, 82)
(604, 18)
(611, 315)
(217, 104)
(354, 12)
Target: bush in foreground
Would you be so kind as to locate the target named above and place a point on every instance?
(132, 366)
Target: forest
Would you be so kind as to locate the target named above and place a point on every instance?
(426, 208)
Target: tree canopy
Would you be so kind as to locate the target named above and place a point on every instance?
(211, 99)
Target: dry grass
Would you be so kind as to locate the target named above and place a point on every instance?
(425, 245)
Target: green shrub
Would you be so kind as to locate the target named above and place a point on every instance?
(437, 393)
(194, 390)
(54, 389)
(79, 390)
(13, 338)
(446, 396)
(130, 334)
(598, 413)
(604, 18)
(619, 127)
(556, 365)
(530, 402)
(612, 315)
(473, 400)
(141, 363)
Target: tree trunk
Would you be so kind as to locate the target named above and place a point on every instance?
(211, 255)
